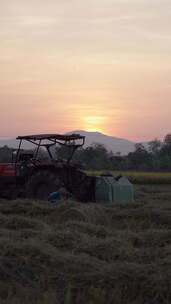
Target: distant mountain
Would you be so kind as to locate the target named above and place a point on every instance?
(114, 144)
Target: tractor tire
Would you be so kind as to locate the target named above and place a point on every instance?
(42, 183)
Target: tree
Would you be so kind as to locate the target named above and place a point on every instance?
(5, 154)
(166, 148)
(140, 158)
(155, 146)
(167, 140)
(96, 157)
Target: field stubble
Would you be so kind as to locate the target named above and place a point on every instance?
(87, 253)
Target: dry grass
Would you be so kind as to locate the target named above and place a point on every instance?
(87, 253)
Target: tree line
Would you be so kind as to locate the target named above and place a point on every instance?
(156, 156)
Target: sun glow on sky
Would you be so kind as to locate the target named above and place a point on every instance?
(94, 123)
(97, 65)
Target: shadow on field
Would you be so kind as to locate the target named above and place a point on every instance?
(87, 253)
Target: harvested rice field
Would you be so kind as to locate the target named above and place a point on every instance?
(71, 252)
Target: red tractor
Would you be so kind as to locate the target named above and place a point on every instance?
(30, 176)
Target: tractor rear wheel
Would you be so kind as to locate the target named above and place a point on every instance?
(42, 183)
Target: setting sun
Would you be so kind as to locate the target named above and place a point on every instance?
(94, 123)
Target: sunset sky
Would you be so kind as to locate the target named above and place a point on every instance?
(95, 65)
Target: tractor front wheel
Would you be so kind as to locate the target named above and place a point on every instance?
(42, 183)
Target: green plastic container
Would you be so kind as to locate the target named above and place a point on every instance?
(110, 190)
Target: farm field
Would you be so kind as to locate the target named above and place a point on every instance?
(140, 177)
(87, 253)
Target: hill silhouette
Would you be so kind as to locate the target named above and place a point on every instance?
(111, 143)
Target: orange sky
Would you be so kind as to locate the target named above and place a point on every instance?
(95, 65)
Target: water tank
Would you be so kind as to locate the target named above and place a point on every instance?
(109, 190)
